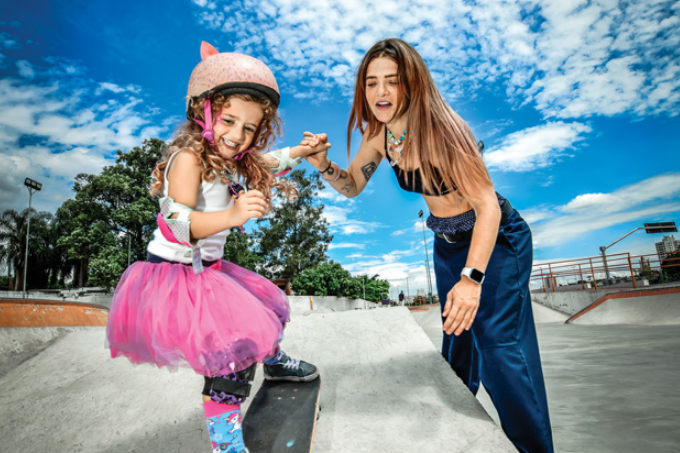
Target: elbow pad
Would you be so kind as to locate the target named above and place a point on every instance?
(286, 163)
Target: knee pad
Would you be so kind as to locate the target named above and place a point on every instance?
(237, 384)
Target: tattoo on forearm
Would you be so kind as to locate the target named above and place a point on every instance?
(368, 170)
(330, 171)
(348, 188)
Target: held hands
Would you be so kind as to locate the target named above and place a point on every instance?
(461, 306)
(248, 205)
(317, 147)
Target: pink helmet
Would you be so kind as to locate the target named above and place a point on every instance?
(228, 73)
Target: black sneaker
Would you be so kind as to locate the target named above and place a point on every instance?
(289, 369)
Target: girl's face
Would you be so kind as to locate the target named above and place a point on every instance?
(236, 125)
(383, 92)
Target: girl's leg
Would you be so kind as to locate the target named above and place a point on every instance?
(222, 398)
(224, 425)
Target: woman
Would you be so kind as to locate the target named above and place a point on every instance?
(482, 249)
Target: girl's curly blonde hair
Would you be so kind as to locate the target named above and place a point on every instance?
(252, 166)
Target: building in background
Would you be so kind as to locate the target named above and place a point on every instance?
(667, 245)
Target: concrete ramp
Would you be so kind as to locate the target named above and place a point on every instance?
(544, 315)
(637, 308)
(385, 388)
(430, 320)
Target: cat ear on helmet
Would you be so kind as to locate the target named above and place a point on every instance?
(207, 50)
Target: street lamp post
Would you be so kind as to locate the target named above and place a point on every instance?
(650, 228)
(32, 186)
(427, 256)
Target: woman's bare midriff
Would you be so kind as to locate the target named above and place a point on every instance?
(448, 205)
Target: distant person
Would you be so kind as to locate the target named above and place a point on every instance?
(482, 247)
(401, 298)
(186, 306)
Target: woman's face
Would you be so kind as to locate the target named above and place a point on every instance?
(383, 91)
(236, 125)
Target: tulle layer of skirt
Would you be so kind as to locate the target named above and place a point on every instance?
(217, 322)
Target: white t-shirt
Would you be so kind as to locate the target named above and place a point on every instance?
(212, 196)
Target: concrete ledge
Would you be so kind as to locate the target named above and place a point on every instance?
(329, 303)
(45, 313)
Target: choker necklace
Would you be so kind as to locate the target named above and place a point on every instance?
(395, 145)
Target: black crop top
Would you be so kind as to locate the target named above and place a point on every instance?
(415, 182)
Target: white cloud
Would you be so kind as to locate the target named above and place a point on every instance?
(647, 200)
(535, 215)
(345, 245)
(56, 124)
(415, 228)
(570, 59)
(339, 221)
(25, 69)
(331, 195)
(535, 147)
(110, 87)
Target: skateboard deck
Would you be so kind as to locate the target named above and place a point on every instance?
(282, 416)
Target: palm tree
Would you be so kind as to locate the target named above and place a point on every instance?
(13, 235)
(13, 226)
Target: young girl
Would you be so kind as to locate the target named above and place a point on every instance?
(185, 306)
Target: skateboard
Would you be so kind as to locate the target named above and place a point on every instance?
(282, 416)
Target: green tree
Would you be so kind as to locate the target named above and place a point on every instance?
(240, 250)
(374, 288)
(325, 279)
(110, 213)
(331, 279)
(294, 236)
(13, 228)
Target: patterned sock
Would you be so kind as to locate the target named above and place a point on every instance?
(224, 426)
(273, 360)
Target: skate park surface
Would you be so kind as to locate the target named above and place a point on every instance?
(611, 387)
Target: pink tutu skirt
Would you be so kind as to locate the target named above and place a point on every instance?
(217, 322)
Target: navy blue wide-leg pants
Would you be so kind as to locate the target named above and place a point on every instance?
(501, 348)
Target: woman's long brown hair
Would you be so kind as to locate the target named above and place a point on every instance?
(437, 137)
(252, 167)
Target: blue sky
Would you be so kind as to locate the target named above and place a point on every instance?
(577, 102)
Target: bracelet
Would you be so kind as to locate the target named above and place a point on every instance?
(336, 177)
(329, 166)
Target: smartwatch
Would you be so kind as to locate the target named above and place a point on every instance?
(473, 274)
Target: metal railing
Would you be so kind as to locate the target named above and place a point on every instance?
(590, 273)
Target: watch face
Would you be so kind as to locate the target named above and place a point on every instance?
(475, 275)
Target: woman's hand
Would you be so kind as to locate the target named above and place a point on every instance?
(249, 205)
(318, 145)
(461, 306)
(312, 144)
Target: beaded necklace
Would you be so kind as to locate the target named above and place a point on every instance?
(396, 145)
(227, 176)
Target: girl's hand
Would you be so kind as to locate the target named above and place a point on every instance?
(461, 306)
(249, 205)
(314, 144)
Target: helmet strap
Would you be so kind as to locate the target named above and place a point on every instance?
(207, 133)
